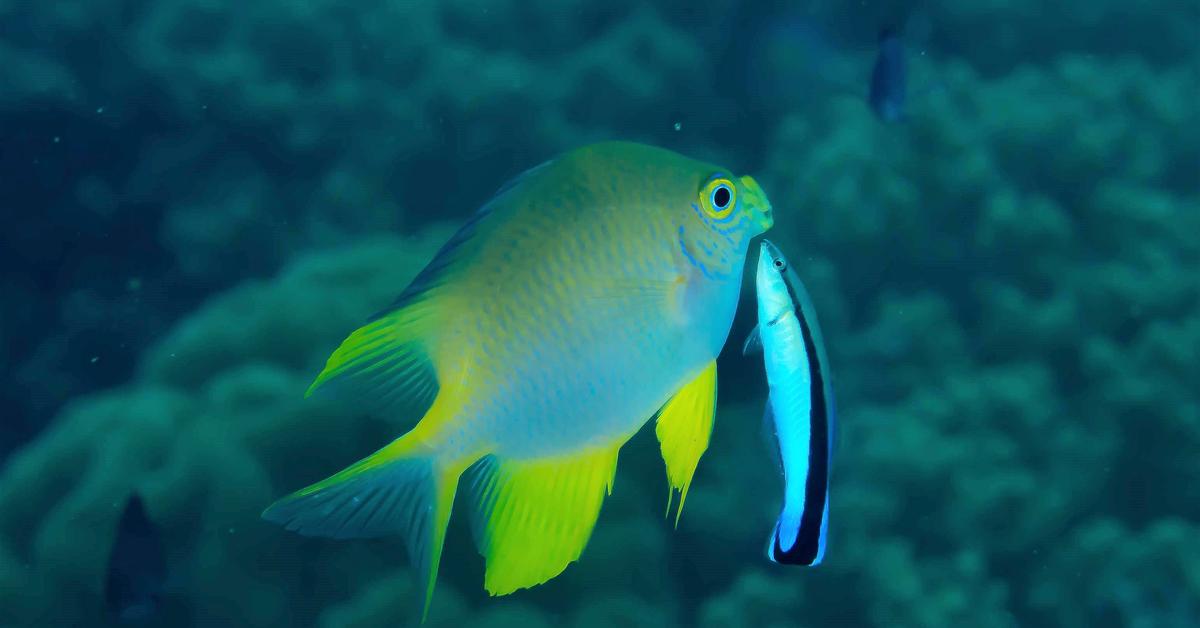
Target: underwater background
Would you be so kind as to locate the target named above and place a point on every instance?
(201, 198)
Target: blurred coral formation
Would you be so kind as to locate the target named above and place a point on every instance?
(212, 194)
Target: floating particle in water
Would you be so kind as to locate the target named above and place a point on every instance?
(678, 126)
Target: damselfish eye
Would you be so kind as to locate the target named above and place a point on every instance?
(718, 197)
(721, 196)
(780, 264)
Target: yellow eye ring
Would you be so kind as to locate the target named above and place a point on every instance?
(718, 197)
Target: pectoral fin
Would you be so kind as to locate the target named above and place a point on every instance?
(684, 426)
(753, 342)
(627, 301)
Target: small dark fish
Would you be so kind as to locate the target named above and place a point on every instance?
(137, 567)
(889, 78)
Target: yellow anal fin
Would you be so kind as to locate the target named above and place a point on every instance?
(533, 517)
(684, 426)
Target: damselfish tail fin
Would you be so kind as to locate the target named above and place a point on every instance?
(400, 489)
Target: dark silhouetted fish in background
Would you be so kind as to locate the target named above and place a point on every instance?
(798, 59)
(889, 78)
(137, 567)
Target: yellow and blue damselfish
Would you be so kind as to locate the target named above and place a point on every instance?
(589, 294)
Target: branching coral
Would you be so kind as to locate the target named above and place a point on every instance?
(1007, 282)
(1106, 574)
(215, 428)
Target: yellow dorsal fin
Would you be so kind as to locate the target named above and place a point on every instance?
(533, 517)
(683, 428)
(384, 367)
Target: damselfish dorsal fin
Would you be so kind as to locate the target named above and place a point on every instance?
(684, 426)
(432, 275)
(386, 366)
(532, 518)
(521, 178)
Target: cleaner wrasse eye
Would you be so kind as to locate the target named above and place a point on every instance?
(800, 409)
(587, 296)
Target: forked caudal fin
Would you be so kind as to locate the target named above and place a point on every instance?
(404, 488)
(400, 489)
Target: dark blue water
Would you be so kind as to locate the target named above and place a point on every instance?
(200, 198)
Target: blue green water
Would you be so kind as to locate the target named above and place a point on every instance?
(200, 198)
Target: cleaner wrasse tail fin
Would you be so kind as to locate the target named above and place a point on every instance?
(797, 540)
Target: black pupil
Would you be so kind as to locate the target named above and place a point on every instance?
(721, 197)
(778, 263)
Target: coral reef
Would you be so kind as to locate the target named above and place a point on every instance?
(1106, 574)
(1007, 281)
(209, 433)
(1017, 349)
